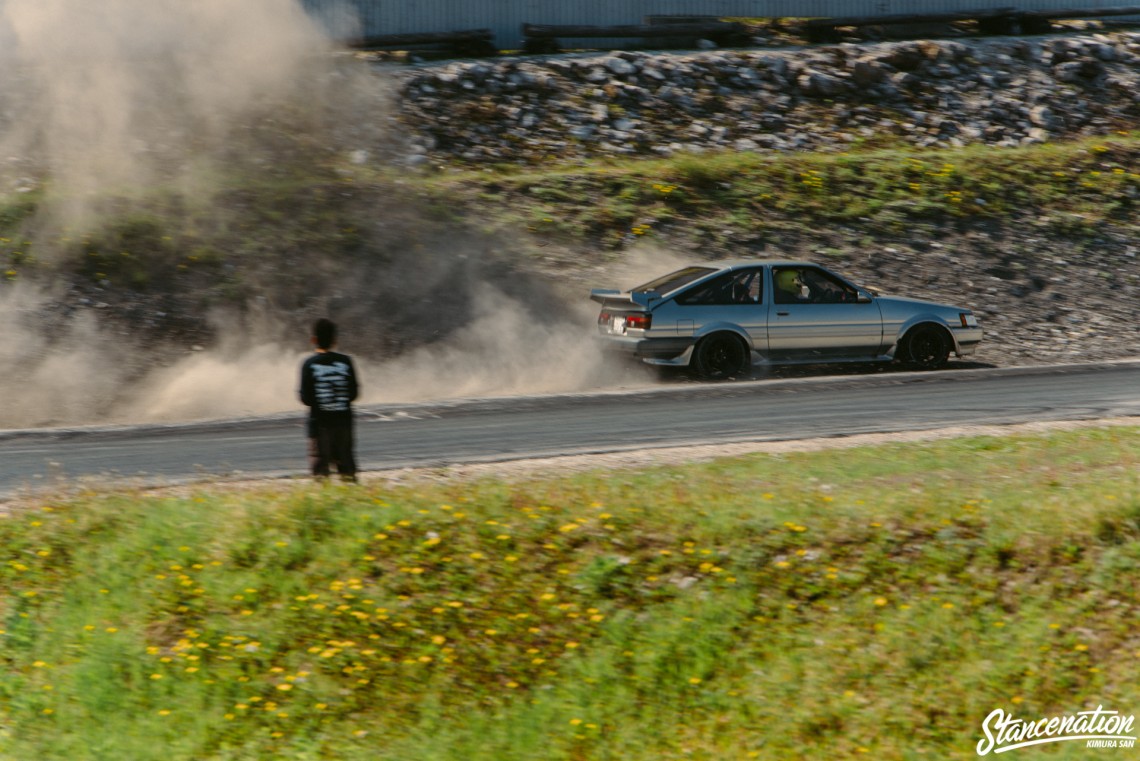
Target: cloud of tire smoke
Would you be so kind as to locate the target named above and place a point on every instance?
(507, 347)
(118, 95)
(501, 351)
(117, 98)
(75, 379)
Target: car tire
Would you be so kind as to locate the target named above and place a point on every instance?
(927, 347)
(722, 356)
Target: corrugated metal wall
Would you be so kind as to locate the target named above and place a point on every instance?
(505, 17)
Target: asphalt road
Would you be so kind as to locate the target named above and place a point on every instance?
(391, 436)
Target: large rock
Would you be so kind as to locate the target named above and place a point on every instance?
(868, 71)
(817, 83)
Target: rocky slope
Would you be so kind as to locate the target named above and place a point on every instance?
(1044, 295)
(927, 93)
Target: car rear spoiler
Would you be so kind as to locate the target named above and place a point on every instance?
(615, 298)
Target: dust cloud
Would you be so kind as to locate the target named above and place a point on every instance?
(119, 95)
(88, 375)
(502, 350)
(121, 98)
(75, 378)
(508, 346)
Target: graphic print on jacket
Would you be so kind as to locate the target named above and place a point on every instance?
(328, 384)
(331, 386)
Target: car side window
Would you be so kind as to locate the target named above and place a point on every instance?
(741, 287)
(808, 285)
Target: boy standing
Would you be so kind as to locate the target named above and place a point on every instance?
(328, 388)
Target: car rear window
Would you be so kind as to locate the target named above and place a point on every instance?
(674, 280)
(736, 287)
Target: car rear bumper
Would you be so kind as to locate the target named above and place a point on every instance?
(653, 350)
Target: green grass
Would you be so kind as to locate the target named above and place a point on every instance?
(874, 602)
(1071, 188)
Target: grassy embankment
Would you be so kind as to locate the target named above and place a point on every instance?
(876, 191)
(870, 603)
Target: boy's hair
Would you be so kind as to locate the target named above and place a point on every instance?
(324, 330)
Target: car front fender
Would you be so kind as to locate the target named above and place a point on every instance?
(922, 319)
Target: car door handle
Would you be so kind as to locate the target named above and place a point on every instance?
(782, 314)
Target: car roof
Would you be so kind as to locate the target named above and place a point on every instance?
(731, 264)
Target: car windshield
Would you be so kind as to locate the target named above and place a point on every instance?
(673, 280)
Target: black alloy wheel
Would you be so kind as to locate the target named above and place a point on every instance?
(722, 356)
(928, 347)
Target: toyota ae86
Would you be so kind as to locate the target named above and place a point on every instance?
(720, 320)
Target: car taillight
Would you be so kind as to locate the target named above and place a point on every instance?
(604, 318)
(638, 321)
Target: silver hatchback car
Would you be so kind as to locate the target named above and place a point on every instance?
(723, 319)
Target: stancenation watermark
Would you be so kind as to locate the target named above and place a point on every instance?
(1093, 729)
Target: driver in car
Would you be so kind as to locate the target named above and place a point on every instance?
(790, 288)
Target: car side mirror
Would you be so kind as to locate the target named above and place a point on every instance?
(864, 298)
